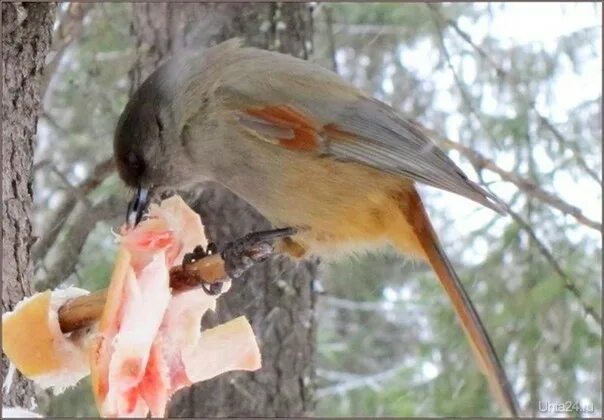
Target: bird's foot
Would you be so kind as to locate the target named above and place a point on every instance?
(241, 254)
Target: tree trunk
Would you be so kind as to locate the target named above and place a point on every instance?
(26, 35)
(277, 296)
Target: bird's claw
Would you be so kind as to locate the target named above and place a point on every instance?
(198, 253)
(241, 254)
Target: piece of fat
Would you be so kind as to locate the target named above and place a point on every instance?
(33, 341)
(148, 343)
(227, 347)
(180, 353)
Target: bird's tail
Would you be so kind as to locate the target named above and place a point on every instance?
(476, 333)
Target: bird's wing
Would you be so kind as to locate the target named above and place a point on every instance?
(301, 106)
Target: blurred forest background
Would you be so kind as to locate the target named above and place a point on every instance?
(517, 90)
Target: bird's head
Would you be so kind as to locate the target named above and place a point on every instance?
(146, 147)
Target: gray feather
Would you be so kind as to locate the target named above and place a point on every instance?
(385, 141)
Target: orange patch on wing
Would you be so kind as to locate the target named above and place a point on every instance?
(305, 130)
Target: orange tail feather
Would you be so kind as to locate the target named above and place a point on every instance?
(476, 333)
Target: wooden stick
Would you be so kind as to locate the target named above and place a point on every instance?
(84, 311)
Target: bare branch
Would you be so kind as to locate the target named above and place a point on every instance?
(482, 162)
(505, 76)
(353, 381)
(460, 85)
(369, 29)
(199, 269)
(75, 239)
(379, 306)
(69, 29)
(564, 143)
(479, 161)
(569, 284)
(76, 192)
(99, 173)
(331, 39)
(466, 37)
(52, 121)
(41, 164)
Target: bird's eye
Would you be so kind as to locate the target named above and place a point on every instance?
(136, 164)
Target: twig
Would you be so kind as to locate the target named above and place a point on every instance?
(41, 164)
(569, 284)
(52, 121)
(70, 187)
(368, 29)
(466, 37)
(84, 311)
(331, 39)
(479, 161)
(76, 237)
(460, 85)
(360, 381)
(564, 142)
(505, 76)
(364, 306)
(58, 219)
(69, 29)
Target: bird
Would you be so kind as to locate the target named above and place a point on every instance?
(308, 150)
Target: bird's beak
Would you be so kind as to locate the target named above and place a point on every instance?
(137, 206)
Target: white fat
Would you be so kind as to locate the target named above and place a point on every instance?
(227, 347)
(60, 296)
(73, 347)
(181, 324)
(184, 222)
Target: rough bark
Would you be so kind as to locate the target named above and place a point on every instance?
(26, 35)
(276, 296)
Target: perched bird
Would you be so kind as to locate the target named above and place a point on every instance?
(308, 150)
